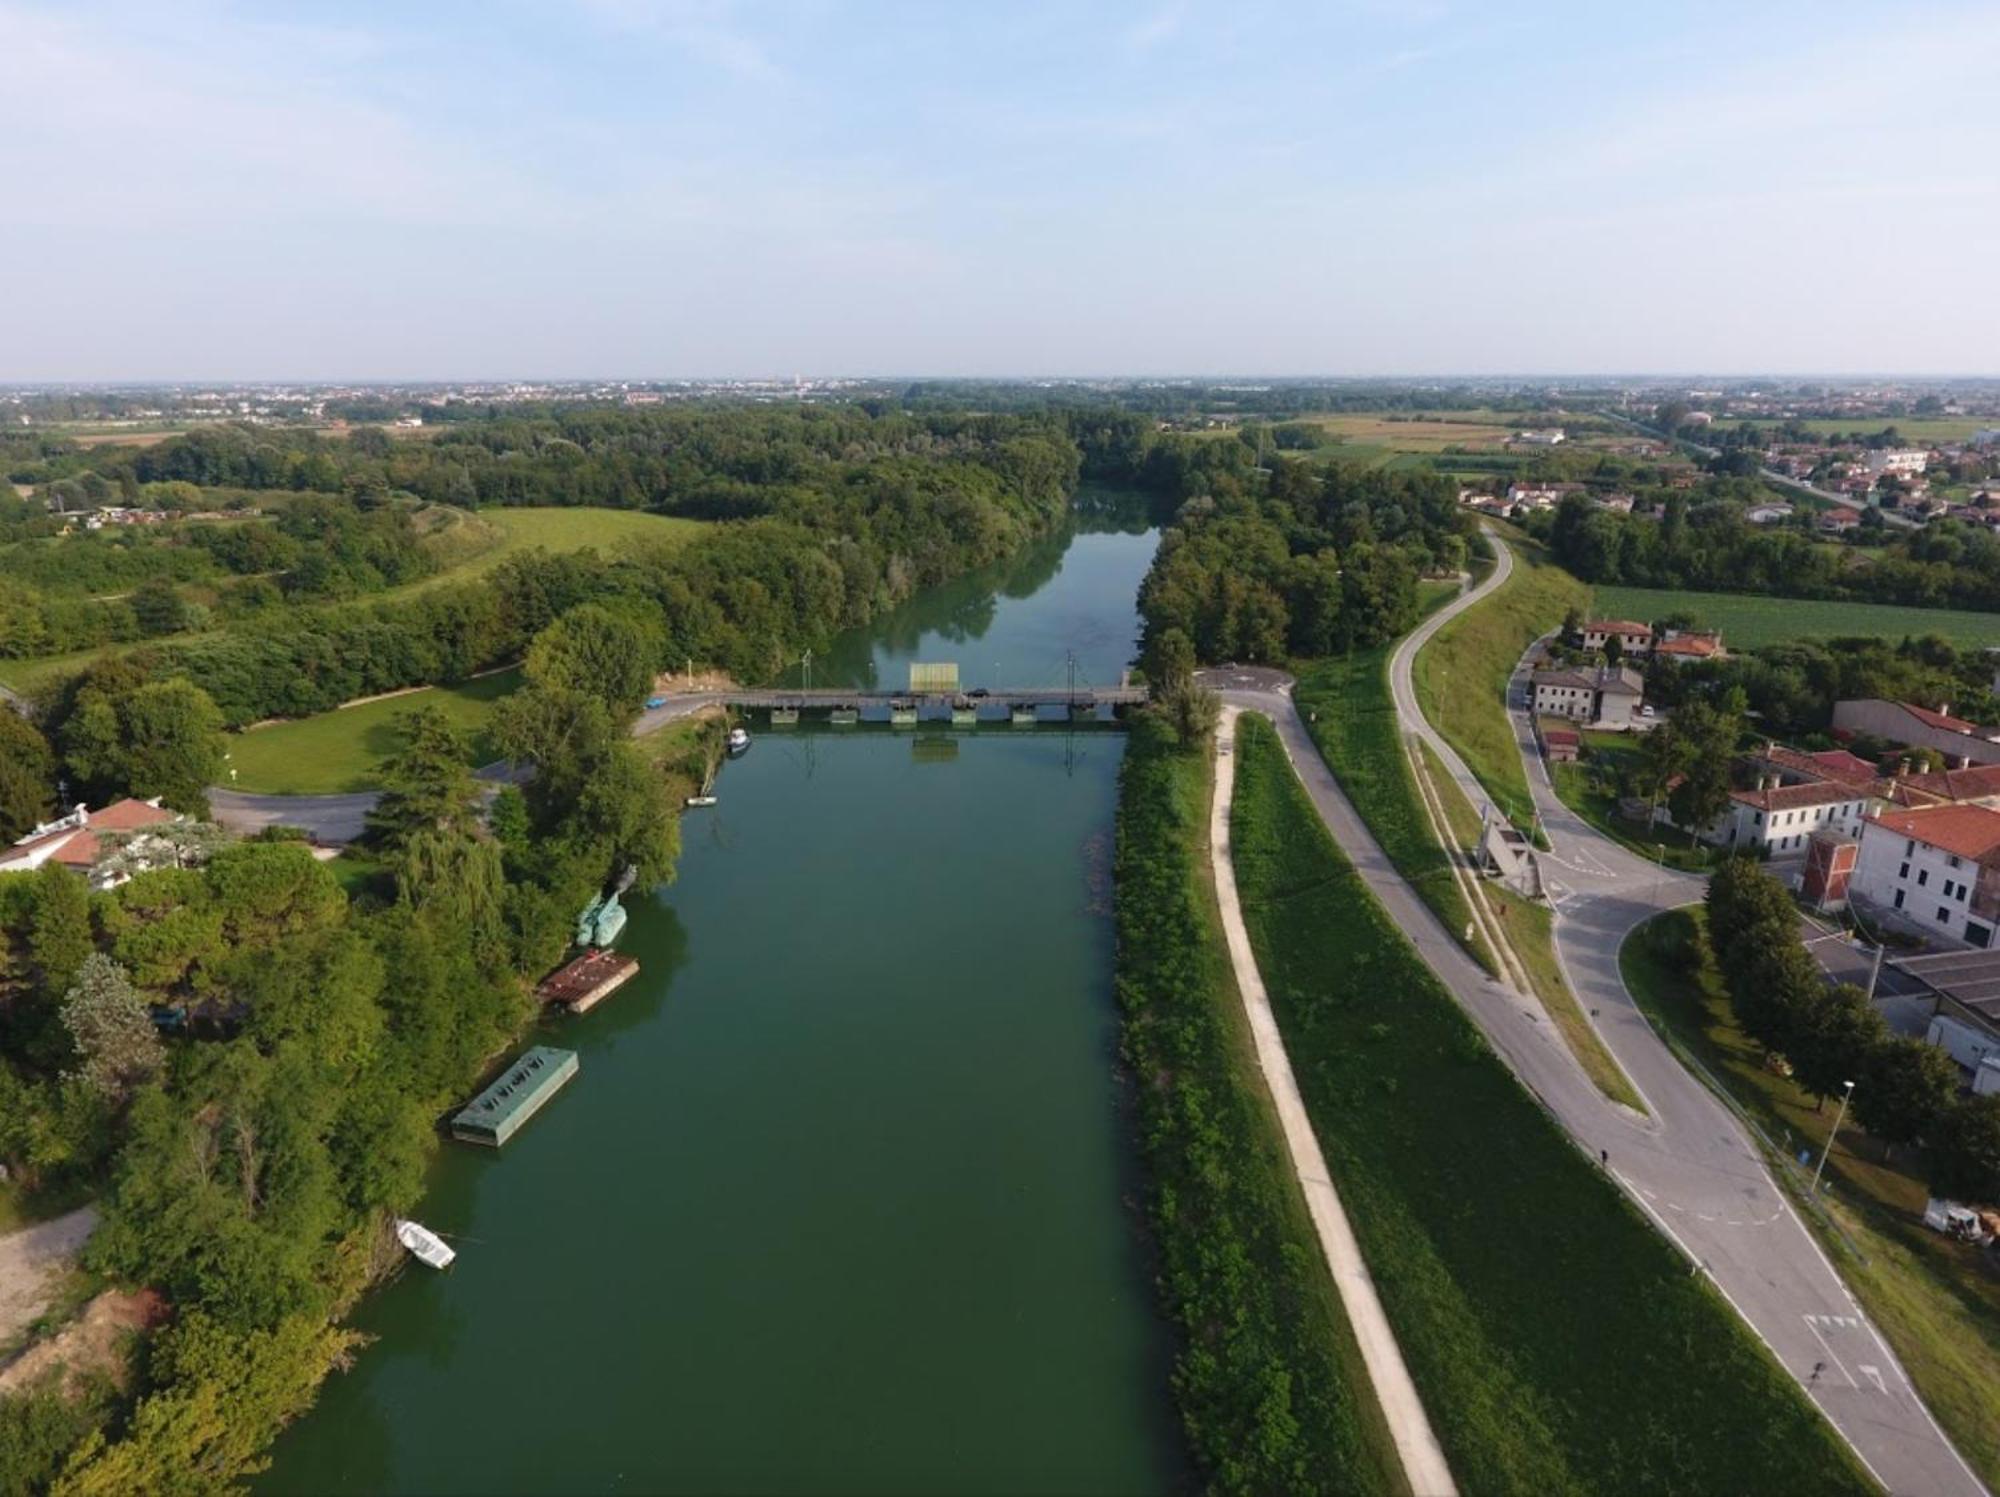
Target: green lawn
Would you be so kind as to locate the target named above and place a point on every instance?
(1932, 1297)
(1269, 1383)
(343, 750)
(1560, 1343)
(496, 534)
(1749, 620)
(1461, 675)
(1590, 788)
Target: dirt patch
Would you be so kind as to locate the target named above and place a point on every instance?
(32, 1262)
(92, 1344)
(680, 683)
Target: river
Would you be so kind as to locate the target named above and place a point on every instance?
(842, 1200)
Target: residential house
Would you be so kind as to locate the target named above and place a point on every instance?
(1605, 697)
(77, 841)
(1839, 520)
(1689, 644)
(1898, 461)
(1633, 638)
(1933, 870)
(1768, 514)
(1919, 727)
(1618, 504)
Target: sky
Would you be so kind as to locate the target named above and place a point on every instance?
(712, 188)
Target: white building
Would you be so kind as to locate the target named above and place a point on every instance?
(1548, 437)
(1606, 697)
(1934, 871)
(1777, 819)
(1899, 461)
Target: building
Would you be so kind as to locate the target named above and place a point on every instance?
(1633, 639)
(1689, 645)
(1934, 870)
(1560, 745)
(1919, 727)
(1778, 820)
(1768, 514)
(1898, 461)
(1542, 437)
(1830, 860)
(76, 841)
(1964, 987)
(1839, 520)
(1604, 696)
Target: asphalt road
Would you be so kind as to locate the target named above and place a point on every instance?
(1688, 1164)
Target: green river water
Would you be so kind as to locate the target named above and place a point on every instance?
(842, 1200)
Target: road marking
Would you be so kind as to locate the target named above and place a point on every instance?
(1828, 1349)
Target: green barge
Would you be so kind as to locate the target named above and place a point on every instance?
(517, 1094)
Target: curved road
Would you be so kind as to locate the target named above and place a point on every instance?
(1688, 1164)
(335, 819)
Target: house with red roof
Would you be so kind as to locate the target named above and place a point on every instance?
(1933, 870)
(83, 839)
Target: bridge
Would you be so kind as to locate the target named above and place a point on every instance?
(830, 698)
(933, 695)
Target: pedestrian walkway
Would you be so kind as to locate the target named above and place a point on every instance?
(1396, 1394)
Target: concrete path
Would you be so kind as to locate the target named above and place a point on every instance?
(31, 1260)
(1416, 1445)
(1688, 1164)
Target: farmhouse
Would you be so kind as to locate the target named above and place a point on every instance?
(1633, 638)
(1689, 644)
(1607, 697)
(1839, 521)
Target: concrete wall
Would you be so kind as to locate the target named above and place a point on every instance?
(1889, 722)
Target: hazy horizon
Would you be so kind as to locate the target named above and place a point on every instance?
(744, 189)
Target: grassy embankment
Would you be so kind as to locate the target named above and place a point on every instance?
(1936, 1300)
(1461, 676)
(1560, 1343)
(1269, 1383)
(1749, 620)
(344, 749)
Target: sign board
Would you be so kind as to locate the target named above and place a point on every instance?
(933, 680)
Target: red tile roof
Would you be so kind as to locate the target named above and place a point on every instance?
(1614, 626)
(1795, 797)
(1700, 646)
(1976, 783)
(1939, 719)
(1968, 831)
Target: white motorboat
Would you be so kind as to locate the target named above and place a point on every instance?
(424, 1244)
(739, 740)
(701, 800)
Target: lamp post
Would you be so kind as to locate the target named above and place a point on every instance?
(1845, 1096)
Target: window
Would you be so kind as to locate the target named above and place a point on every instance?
(1923, 877)
(1954, 860)
(1944, 915)
(1977, 934)
(1909, 847)
(1904, 871)
(1899, 899)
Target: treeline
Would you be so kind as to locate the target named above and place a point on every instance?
(1266, 1390)
(1712, 547)
(1315, 561)
(835, 531)
(1906, 1092)
(1792, 687)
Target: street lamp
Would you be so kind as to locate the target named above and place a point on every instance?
(1845, 1096)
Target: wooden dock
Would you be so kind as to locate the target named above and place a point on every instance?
(586, 982)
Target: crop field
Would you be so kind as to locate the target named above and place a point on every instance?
(1748, 620)
(1914, 429)
(344, 749)
(1559, 1342)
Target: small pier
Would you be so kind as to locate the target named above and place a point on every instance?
(586, 982)
(521, 1091)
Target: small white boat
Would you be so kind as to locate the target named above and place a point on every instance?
(424, 1244)
(739, 740)
(701, 800)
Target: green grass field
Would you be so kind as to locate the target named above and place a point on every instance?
(1915, 429)
(1589, 788)
(1748, 620)
(1933, 1299)
(496, 534)
(1461, 675)
(343, 750)
(1559, 1342)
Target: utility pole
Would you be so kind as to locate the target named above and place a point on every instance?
(1875, 975)
(1070, 660)
(1845, 1096)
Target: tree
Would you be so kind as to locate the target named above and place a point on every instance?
(159, 608)
(426, 785)
(163, 738)
(594, 650)
(1962, 1151)
(1169, 660)
(1907, 1086)
(117, 1045)
(1193, 712)
(1836, 1041)
(27, 776)
(59, 930)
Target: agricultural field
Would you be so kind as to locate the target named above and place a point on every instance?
(343, 750)
(1932, 1298)
(1749, 620)
(1916, 430)
(1558, 1340)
